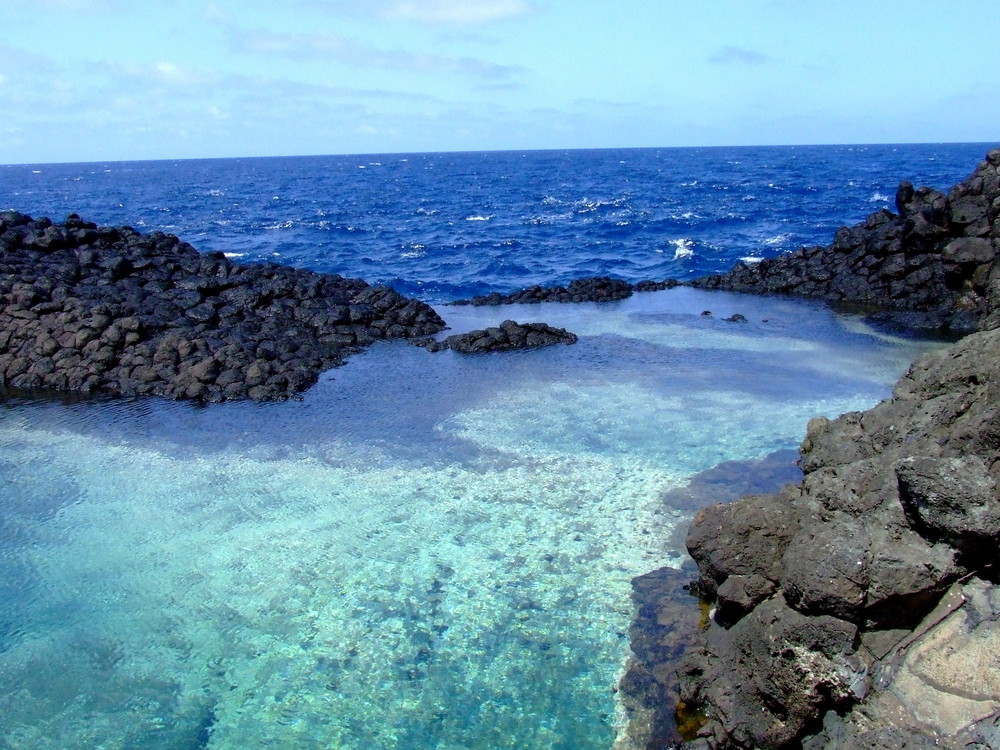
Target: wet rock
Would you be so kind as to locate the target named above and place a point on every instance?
(667, 619)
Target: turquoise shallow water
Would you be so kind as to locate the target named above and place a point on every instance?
(426, 551)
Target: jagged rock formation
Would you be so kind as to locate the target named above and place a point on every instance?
(508, 336)
(819, 588)
(859, 608)
(597, 289)
(668, 615)
(88, 308)
(932, 262)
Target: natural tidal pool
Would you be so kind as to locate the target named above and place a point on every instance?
(426, 551)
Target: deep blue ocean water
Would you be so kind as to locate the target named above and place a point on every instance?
(448, 226)
(426, 550)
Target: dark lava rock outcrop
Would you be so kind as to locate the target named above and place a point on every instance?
(858, 608)
(88, 308)
(932, 262)
(508, 336)
(669, 615)
(597, 289)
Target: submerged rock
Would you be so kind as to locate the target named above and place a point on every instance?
(88, 308)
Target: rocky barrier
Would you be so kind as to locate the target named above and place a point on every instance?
(593, 289)
(931, 264)
(859, 608)
(88, 308)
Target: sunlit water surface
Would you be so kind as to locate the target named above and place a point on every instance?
(426, 551)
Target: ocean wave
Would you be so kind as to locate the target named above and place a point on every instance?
(587, 205)
(878, 197)
(413, 250)
(683, 248)
(778, 239)
(478, 217)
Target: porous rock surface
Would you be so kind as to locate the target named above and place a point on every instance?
(860, 608)
(508, 336)
(88, 308)
(931, 263)
(865, 595)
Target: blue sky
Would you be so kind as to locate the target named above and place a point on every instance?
(84, 80)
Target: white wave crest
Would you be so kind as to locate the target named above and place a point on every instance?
(683, 248)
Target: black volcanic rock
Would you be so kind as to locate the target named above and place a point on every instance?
(88, 308)
(822, 587)
(597, 289)
(933, 260)
(861, 607)
(508, 336)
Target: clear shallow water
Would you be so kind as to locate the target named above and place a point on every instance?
(427, 551)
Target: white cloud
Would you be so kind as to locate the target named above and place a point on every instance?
(71, 6)
(346, 51)
(738, 55)
(462, 12)
(432, 12)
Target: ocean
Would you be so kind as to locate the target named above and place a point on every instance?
(426, 550)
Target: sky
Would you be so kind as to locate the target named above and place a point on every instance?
(97, 80)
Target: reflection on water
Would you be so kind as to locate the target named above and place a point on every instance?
(427, 550)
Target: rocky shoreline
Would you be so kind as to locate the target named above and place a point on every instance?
(859, 608)
(928, 266)
(107, 309)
